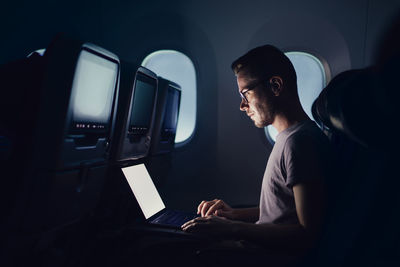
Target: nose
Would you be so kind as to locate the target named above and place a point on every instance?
(243, 105)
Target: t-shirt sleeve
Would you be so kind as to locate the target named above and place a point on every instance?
(303, 160)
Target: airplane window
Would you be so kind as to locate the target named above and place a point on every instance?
(311, 79)
(177, 67)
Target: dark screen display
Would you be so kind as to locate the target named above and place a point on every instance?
(142, 104)
(172, 108)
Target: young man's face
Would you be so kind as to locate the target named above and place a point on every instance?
(256, 102)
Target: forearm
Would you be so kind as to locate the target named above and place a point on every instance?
(247, 214)
(274, 236)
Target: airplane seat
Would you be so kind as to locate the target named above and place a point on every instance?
(166, 117)
(131, 142)
(20, 80)
(17, 102)
(159, 162)
(349, 110)
(69, 132)
(347, 106)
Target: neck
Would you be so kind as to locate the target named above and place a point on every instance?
(288, 118)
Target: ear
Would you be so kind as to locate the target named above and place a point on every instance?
(276, 85)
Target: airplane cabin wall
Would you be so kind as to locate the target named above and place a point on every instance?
(227, 155)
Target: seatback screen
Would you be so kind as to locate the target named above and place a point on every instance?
(172, 109)
(142, 104)
(93, 91)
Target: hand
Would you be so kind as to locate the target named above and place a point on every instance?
(212, 225)
(215, 207)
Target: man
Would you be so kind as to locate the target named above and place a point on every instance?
(291, 206)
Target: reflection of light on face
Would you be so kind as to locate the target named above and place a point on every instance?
(259, 107)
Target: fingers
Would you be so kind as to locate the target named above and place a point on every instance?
(194, 224)
(211, 225)
(200, 206)
(207, 208)
(198, 219)
(204, 206)
(214, 207)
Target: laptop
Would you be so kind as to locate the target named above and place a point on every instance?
(150, 201)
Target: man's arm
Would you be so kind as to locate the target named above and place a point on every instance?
(309, 207)
(246, 214)
(219, 208)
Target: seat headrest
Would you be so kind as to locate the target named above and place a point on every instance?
(351, 105)
(19, 93)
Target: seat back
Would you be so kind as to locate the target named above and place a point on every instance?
(360, 194)
(54, 178)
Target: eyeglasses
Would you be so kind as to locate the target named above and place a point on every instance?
(249, 88)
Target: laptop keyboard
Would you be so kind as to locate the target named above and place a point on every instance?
(176, 218)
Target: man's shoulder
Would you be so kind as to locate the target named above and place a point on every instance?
(306, 136)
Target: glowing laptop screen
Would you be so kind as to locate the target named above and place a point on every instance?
(144, 189)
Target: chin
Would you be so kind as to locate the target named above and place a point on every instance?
(259, 124)
(258, 121)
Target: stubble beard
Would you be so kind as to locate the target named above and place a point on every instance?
(259, 124)
(263, 115)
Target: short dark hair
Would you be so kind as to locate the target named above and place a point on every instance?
(266, 61)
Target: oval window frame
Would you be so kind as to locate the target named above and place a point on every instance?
(162, 52)
(269, 131)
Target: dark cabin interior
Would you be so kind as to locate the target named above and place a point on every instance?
(77, 209)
